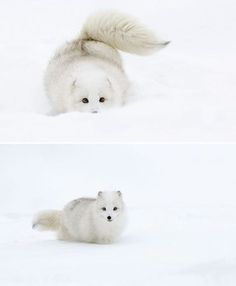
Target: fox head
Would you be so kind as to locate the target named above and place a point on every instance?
(93, 93)
(110, 205)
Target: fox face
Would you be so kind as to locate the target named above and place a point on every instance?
(93, 94)
(109, 205)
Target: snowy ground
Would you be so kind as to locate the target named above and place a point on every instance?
(181, 205)
(180, 248)
(184, 93)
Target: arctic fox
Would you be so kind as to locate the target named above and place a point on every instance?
(87, 73)
(93, 220)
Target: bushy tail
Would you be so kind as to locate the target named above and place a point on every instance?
(121, 32)
(47, 220)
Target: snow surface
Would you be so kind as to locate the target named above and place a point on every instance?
(184, 93)
(181, 206)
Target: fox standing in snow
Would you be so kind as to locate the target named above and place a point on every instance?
(99, 220)
(87, 74)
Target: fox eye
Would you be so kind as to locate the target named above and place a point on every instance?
(115, 209)
(102, 99)
(85, 100)
(104, 209)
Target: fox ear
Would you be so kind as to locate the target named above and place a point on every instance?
(74, 83)
(119, 193)
(99, 194)
(109, 82)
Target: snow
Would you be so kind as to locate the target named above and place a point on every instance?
(181, 208)
(184, 93)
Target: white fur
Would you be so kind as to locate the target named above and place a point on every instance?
(91, 67)
(121, 32)
(47, 220)
(86, 220)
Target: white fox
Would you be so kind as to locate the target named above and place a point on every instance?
(93, 220)
(87, 73)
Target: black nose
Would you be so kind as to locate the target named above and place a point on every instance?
(94, 111)
(109, 217)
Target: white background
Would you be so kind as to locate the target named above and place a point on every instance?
(184, 93)
(181, 206)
